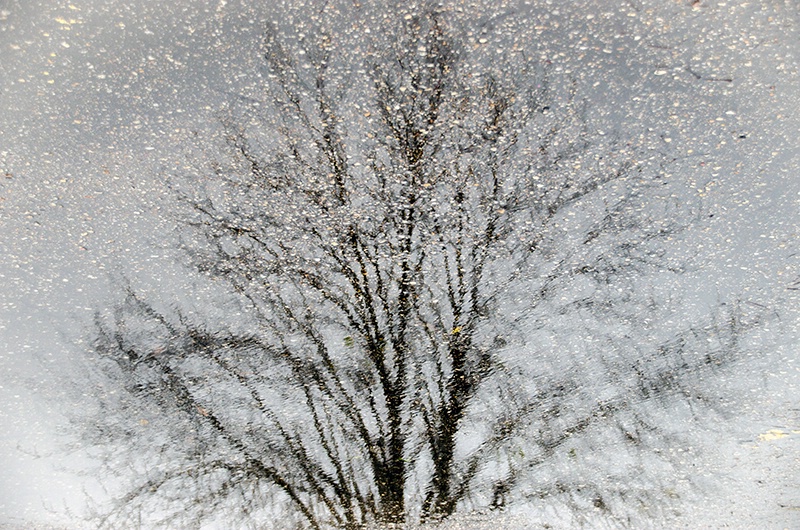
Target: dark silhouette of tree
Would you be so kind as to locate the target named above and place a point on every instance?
(390, 220)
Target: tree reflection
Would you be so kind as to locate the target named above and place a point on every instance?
(394, 225)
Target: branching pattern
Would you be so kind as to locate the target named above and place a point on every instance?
(401, 205)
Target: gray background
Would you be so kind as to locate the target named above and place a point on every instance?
(100, 100)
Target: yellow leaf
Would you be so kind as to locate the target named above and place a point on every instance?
(772, 434)
(456, 329)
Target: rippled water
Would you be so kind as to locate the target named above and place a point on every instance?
(344, 265)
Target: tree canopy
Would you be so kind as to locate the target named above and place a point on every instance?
(406, 221)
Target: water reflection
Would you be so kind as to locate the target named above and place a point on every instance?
(450, 294)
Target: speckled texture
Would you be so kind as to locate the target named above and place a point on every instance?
(102, 100)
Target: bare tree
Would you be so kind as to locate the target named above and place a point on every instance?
(391, 225)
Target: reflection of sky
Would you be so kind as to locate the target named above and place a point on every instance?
(100, 97)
